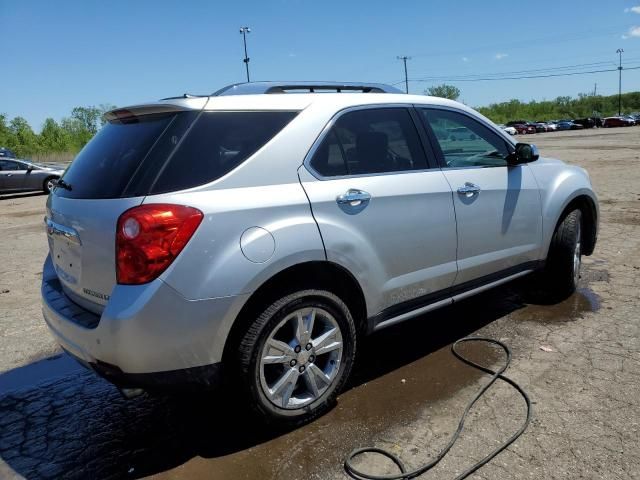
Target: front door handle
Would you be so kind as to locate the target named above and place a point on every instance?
(469, 189)
(353, 197)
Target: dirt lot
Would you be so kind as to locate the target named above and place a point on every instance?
(56, 420)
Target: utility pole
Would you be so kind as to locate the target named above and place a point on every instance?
(595, 90)
(406, 77)
(620, 51)
(244, 31)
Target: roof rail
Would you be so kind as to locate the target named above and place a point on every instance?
(257, 88)
(184, 95)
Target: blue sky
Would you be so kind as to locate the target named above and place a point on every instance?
(57, 55)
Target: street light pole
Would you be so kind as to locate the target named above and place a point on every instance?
(244, 31)
(620, 51)
(406, 78)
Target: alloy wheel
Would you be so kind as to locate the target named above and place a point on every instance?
(301, 358)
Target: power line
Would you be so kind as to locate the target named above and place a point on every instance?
(455, 79)
(516, 72)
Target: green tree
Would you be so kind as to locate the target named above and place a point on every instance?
(443, 91)
(89, 118)
(54, 138)
(24, 140)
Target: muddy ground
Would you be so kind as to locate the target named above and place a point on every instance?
(579, 361)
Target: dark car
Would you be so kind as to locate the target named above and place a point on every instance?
(540, 127)
(6, 153)
(568, 125)
(610, 122)
(585, 122)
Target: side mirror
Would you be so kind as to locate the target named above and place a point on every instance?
(30, 168)
(524, 153)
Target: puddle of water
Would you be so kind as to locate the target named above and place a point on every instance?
(360, 418)
(573, 308)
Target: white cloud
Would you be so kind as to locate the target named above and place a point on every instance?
(292, 55)
(633, 32)
(632, 10)
(465, 59)
(500, 56)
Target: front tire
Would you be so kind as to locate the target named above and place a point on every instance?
(562, 269)
(296, 356)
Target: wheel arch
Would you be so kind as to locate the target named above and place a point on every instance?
(316, 274)
(589, 210)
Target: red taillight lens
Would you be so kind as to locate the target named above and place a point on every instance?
(150, 237)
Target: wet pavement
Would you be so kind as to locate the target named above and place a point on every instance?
(60, 420)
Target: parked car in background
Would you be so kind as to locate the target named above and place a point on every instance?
(568, 125)
(6, 153)
(522, 127)
(313, 220)
(551, 126)
(509, 130)
(20, 176)
(631, 118)
(585, 122)
(540, 127)
(611, 122)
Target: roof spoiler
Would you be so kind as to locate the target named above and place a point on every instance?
(122, 114)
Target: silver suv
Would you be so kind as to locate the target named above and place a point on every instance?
(262, 231)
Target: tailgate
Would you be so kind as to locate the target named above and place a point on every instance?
(81, 236)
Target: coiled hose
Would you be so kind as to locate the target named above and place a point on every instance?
(495, 375)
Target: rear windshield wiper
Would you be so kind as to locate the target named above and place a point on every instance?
(62, 184)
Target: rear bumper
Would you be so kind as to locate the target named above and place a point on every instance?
(144, 330)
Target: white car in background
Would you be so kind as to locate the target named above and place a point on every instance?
(509, 130)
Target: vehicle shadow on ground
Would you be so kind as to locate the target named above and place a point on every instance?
(78, 425)
(15, 196)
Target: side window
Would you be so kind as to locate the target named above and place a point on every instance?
(9, 165)
(370, 141)
(216, 144)
(464, 141)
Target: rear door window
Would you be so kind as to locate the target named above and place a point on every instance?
(216, 144)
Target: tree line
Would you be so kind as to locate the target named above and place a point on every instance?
(583, 106)
(67, 136)
(72, 133)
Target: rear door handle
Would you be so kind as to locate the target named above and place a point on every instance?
(469, 189)
(353, 197)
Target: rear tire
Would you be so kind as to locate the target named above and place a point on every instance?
(295, 358)
(561, 274)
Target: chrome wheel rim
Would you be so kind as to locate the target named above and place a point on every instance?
(50, 185)
(301, 358)
(577, 251)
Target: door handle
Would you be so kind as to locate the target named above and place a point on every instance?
(8, 174)
(469, 189)
(353, 197)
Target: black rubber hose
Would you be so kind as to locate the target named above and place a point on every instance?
(495, 375)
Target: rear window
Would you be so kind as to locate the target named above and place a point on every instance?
(162, 153)
(216, 144)
(106, 164)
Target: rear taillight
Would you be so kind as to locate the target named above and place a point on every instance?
(150, 237)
